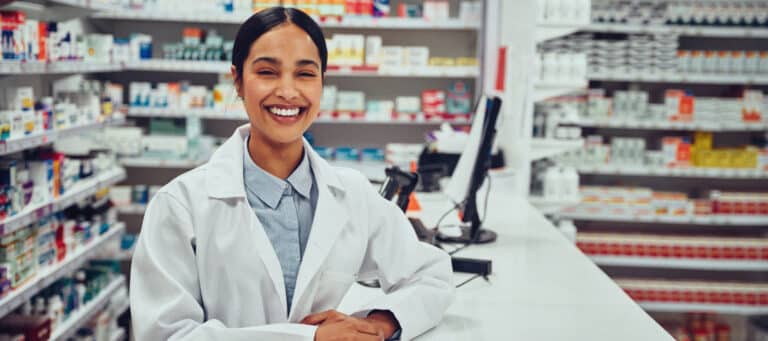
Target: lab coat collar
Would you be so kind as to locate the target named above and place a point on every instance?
(225, 168)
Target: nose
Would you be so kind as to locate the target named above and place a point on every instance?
(287, 89)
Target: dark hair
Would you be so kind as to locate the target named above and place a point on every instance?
(265, 20)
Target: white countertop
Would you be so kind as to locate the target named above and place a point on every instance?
(542, 287)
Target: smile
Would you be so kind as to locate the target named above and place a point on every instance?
(285, 111)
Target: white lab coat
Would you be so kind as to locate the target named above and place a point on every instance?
(231, 287)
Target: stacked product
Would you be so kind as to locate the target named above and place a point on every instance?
(40, 316)
(198, 44)
(668, 246)
(638, 54)
(43, 244)
(31, 40)
(555, 182)
(167, 140)
(677, 152)
(569, 11)
(24, 115)
(345, 153)
(715, 293)
(725, 62)
(700, 326)
(434, 105)
(643, 202)
(181, 96)
(132, 195)
(45, 175)
(679, 105)
(747, 13)
(367, 53)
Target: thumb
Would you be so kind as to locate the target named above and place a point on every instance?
(315, 319)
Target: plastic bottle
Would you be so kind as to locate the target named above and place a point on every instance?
(551, 183)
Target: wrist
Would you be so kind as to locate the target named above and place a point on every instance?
(385, 321)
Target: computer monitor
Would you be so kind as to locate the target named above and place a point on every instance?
(471, 172)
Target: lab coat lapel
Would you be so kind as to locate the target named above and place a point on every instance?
(330, 219)
(224, 180)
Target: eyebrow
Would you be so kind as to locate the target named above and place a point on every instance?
(275, 61)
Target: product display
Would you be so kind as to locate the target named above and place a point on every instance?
(563, 11)
(132, 195)
(198, 44)
(700, 326)
(182, 95)
(672, 246)
(24, 115)
(554, 182)
(714, 293)
(645, 202)
(749, 13)
(60, 301)
(342, 153)
(434, 105)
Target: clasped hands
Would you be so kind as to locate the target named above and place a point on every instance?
(332, 325)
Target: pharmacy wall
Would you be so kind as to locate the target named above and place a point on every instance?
(637, 127)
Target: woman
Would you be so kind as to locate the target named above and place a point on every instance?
(263, 241)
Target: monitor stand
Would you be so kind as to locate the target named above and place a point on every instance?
(484, 237)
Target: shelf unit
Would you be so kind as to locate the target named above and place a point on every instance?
(551, 206)
(715, 219)
(692, 172)
(219, 67)
(730, 309)
(136, 209)
(240, 115)
(43, 279)
(146, 162)
(666, 125)
(548, 89)
(81, 316)
(35, 68)
(681, 263)
(78, 192)
(683, 30)
(544, 148)
(550, 30)
(39, 139)
(722, 79)
(350, 22)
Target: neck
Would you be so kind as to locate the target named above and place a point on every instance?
(278, 159)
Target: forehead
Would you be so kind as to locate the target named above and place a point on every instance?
(285, 42)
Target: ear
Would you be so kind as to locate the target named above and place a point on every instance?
(238, 81)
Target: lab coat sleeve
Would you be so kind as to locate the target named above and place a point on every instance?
(416, 277)
(165, 292)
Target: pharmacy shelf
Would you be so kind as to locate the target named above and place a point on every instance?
(666, 125)
(692, 172)
(81, 316)
(137, 209)
(240, 115)
(714, 219)
(552, 206)
(101, 5)
(696, 31)
(681, 78)
(79, 191)
(547, 31)
(220, 67)
(680, 263)
(385, 23)
(119, 335)
(39, 139)
(45, 278)
(548, 89)
(545, 148)
(148, 162)
(374, 171)
(731, 309)
(34, 67)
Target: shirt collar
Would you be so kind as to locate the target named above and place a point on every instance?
(269, 188)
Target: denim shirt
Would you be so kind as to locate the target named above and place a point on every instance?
(285, 209)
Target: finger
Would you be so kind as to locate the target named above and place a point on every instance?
(366, 327)
(315, 319)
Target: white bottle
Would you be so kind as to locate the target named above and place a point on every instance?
(55, 310)
(551, 183)
(570, 183)
(568, 229)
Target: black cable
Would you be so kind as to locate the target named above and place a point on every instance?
(468, 280)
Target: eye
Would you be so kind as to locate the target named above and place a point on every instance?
(266, 72)
(307, 74)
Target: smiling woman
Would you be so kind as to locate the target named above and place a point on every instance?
(264, 240)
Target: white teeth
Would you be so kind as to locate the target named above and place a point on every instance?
(284, 112)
